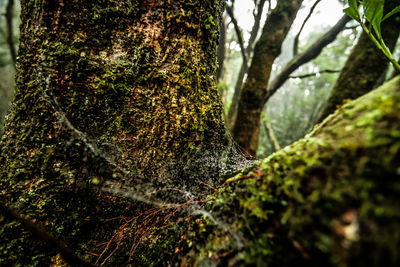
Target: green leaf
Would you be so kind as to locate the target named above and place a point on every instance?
(353, 5)
(373, 12)
(352, 13)
(391, 13)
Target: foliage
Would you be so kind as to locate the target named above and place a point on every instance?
(372, 12)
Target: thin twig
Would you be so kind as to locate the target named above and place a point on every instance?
(239, 36)
(296, 39)
(313, 74)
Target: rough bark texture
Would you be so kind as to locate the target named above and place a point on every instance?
(267, 48)
(330, 199)
(365, 65)
(106, 91)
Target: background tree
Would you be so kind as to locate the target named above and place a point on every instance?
(267, 48)
(296, 106)
(257, 14)
(9, 33)
(250, 136)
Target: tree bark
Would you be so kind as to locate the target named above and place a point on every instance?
(365, 65)
(108, 93)
(267, 48)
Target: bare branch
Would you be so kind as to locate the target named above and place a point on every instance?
(296, 39)
(352, 27)
(313, 74)
(269, 7)
(312, 52)
(239, 35)
(270, 133)
(243, 70)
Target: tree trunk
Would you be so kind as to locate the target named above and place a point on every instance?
(232, 112)
(221, 50)
(267, 48)
(107, 93)
(365, 65)
(310, 53)
(10, 35)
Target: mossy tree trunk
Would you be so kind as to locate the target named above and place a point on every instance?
(106, 91)
(365, 65)
(268, 47)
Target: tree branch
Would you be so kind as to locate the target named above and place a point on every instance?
(312, 52)
(271, 134)
(239, 36)
(313, 74)
(296, 39)
(243, 71)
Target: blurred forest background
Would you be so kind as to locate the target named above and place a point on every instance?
(293, 110)
(9, 33)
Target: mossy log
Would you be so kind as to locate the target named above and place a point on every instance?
(330, 199)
